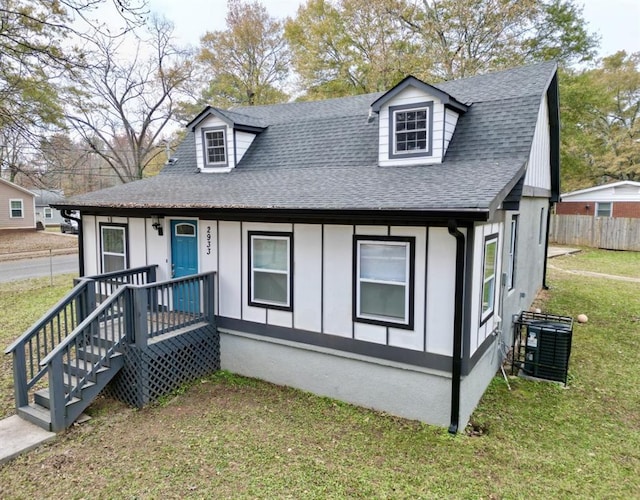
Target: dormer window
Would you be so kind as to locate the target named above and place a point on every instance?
(410, 130)
(214, 143)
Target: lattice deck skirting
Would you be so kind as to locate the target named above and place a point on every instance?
(164, 365)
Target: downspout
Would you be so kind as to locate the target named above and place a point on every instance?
(67, 215)
(456, 364)
(546, 249)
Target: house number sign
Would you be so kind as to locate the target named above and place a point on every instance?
(208, 240)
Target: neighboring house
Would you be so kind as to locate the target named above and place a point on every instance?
(17, 207)
(45, 213)
(373, 249)
(618, 199)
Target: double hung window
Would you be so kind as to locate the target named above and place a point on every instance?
(603, 209)
(410, 130)
(48, 213)
(489, 276)
(270, 270)
(16, 209)
(384, 280)
(113, 245)
(215, 147)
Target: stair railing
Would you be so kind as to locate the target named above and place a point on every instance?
(36, 343)
(99, 336)
(62, 319)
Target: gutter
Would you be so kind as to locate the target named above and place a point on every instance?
(456, 359)
(67, 215)
(545, 286)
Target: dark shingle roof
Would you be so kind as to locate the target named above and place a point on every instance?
(323, 155)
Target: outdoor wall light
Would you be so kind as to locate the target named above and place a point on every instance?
(156, 224)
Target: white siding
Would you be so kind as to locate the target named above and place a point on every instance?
(234, 152)
(414, 339)
(479, 332)
(337, 278)
(307, 277)
(243, 141)
(618, 191)
(450, 121)
(137, 242)
(158, 248)
(91, 242)
(539, 168)
(230, 272)
(441, 285)
(212, 121)
(411, 96)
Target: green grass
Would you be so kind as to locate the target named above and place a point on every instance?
(21, 304)
(231, 436)
(601, 261)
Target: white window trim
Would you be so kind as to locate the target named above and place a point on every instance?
(406, 284)
(102, 251)
(11, 201)
(205, 152)
(513, 242)
(48, 213)
(598, 203)
(485, 315)
(271, 303)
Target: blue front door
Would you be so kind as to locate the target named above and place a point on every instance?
(184, 261)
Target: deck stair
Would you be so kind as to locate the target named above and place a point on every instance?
(122, 323)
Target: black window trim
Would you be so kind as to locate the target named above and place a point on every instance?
(265, 305)
(205, 156)
(487, 239)
(513, 251)
(126, 242)
(392, 130)
(411, 240)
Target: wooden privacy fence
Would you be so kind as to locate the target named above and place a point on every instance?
(612, 233)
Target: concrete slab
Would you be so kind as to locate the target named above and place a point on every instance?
(18, 436)
(558, 251)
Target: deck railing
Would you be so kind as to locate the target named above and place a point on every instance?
(175, 304)
(134, 313)
(62, 319)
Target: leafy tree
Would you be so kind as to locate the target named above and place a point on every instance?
(464, 38)
(248, 62)
(601, 122)
(350, 47)
(127, 104)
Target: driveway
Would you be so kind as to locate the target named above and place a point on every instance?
(37, 267)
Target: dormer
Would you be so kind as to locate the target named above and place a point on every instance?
(222, 138)
(416, 123)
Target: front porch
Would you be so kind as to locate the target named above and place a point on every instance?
(124, 332)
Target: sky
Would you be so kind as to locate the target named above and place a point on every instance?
(616, 21)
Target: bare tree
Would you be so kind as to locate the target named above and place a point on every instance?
(41, 41)
(127, 103)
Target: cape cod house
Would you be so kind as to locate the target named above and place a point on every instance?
(373, 249)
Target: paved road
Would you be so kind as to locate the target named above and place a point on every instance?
(14, 270)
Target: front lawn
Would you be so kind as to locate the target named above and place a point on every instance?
(228, 436)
